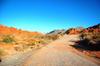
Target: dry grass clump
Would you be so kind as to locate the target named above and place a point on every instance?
(13, 44)
(8, 39)
(52, 37)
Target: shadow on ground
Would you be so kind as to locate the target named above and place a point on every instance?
(86, 45)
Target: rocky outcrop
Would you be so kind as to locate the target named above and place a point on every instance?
(95, 28)
(74, 30)
(92, 29)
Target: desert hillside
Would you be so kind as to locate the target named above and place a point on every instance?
(73, 31)
(11, 30)
(13, 40)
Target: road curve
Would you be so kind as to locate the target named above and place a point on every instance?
(58, 53)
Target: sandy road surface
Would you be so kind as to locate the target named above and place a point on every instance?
(17, 59)
(58, 53)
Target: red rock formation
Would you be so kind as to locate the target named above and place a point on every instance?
(74, 31)
(12, 30)
(79, 30)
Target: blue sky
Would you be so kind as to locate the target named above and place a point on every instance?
(47, 15)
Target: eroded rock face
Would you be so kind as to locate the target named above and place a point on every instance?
(74, 31)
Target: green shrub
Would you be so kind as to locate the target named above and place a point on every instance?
(8, 39)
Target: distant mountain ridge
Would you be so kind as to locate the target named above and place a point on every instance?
(54, 32)
(12, 30)
(95, 28)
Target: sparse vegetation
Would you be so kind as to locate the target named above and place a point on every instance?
(19, 40)
(52, 37)
(88, 42)
(8, 39)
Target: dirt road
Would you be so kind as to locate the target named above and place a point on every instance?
(58, 53)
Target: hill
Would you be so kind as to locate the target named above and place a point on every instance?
(95, 28)
(11, 30)
(78, 30)
(13, 40)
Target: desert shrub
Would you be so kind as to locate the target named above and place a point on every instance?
(52, 37)
(33, 43)
(90, 40)
(43, 42)
(38, 36)
(82, 36)
(8, 39)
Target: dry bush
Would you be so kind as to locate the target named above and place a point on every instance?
(8, 39)
(90, 40)
(52, 37)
